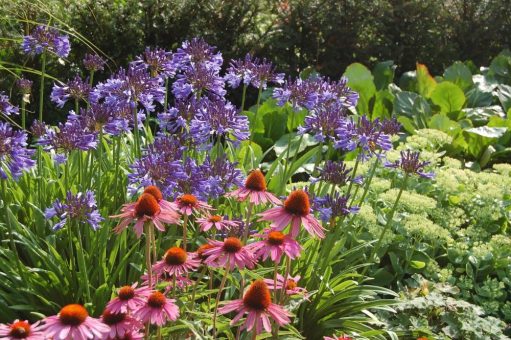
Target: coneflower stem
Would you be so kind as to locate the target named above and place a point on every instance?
(275, 290)
(283, 290)
(148, 255)
(218, 295)
(247, 224)
(388, 223)
(185, 231)
(173, 286)
(201, 275)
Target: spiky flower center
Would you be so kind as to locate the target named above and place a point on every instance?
(188, 199)
(156, 300)
(20, 330)
(175, 256)
(110, 318)
(256, 181)
(153, 190)
(276, 238)
(215, 218)
(126, 293)
(73, 315)
(291, 284)
(202, 249)
(147, 205)
(297, 203)
(232, 245)
(257, 296)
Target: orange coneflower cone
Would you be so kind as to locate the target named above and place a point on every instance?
(255, 190)
(257, 304)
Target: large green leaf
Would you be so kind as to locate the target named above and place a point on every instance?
(481, 115)
(504, 95)
(425, 82)
(478, 98)
(448, 97)
(383, 104)
(500, 68)
(459, 74)
(383, 73)
(413, 106)
(443, 123)
(360, 79)
(488, 132)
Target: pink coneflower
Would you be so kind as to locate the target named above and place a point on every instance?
(74, 323)
(132, 335)
(291, 284)
(295, 211)
(129, 298)
(257, 304)
(229, 254)
(200, 251)
(120, 323)
(157, 310)
(176, 262)
(145, 209)
(274, 245)
(216, 221)
(342, 337)
(22, 330)
(255, 190)
(153, 190)
(188, 203)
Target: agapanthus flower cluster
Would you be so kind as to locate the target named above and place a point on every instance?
(217, 177)
(176, 120)
(77, 89)
(5, 105)
(100, 116)
(130, 87)
(45, 38)
(72, 135)
(323, 122)
(199, 81)
(219, 121)
(252, 71)
(195, 52)
(77, 208)
(158, 61)
(364, 134)
(332, 206)
(336, 173)
(15, 157)
(93, 62)
(24, 85)
(411, 164)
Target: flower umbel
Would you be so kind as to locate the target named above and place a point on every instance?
(80, 208)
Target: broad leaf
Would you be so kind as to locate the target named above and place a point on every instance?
(448, 97)
(459, 74)
(488, 132)
(383, 73)
(360, 79)
(425, 82)
(504, 95)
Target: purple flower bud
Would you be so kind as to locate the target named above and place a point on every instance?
(93, 62)
(411, 164)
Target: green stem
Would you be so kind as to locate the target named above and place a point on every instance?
(23, 117)
(257, 107)
(136, 133)
(40, 182)
(166, 101)
(41, 87)
(201, 275)
(218, 295)
(148, 255)
(353, 174)
(368, 183)
(116, 161)
(284, 181)
(388, 222)
(185, 230)
(243, 97)
(81, 262)
(247, 223)
(100, 162)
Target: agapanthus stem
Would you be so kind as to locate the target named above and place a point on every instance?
(23, 117)
(185, 230)
(388, 223)
(243, 96)
(100, 161)
(41, 86)
(368, 183)
(83, 266)
(148, 255)
(257, 108)
(136, 132)
(40, 182)
(284, 174)
(166, 100)
(247, 223)
(218, 295)
(353, 174)
(116, 171)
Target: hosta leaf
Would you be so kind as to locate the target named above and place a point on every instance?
(360, 79)
(488, 132)
(459, 74)
(383, 73)
(448, 97)
(425, 82)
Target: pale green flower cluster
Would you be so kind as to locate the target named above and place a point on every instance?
(410, 201)
(423, 228)
(428, 140)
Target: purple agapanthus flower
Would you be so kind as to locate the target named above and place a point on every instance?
(323, 122)
(73, 135)
(363, 134)
(411, 164)
(5, 105)
(100, 116)
(217, 121)
(195, 52)
(177, 119)
(335, 94)
(93, 62)
(199, 81)
(159, 165)
(80, 208)
(14, 155)
(130, 87)
(299, 93)
(158, 61)
(76, 89)
(336, 173)
(38, 129)
(330, 207)
(24, 85)
(252, 71)
(218, 177)
(45, 38)
(390, 126)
